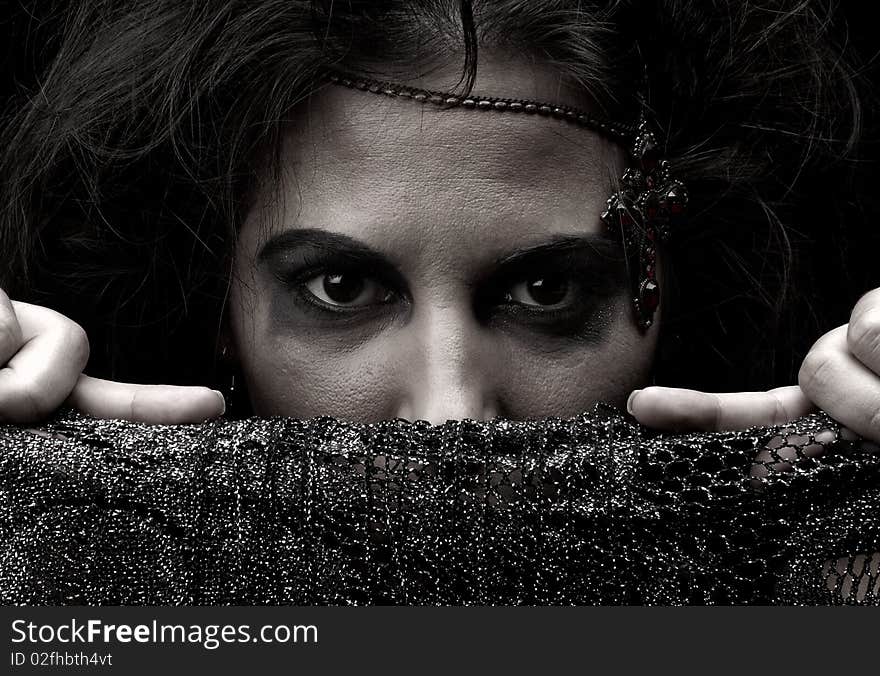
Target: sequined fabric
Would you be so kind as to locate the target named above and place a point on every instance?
(591, 510)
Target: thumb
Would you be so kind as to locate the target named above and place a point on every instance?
(670, 408)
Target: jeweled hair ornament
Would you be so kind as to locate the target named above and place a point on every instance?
(642, 213)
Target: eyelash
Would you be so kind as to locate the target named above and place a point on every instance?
(570, 318)
(296, 282)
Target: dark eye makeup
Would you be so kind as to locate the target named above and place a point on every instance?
(559, 288)
(347, 289)
(331, 276)
(331, 286)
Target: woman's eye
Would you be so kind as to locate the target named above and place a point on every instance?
(543, 290)
(347, 289)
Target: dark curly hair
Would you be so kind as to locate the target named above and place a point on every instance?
(127, 163)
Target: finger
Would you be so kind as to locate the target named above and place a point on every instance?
(842, 385)
(863, 332)
(670, 408)
(38, 377)
(11, 338)
(154, 404)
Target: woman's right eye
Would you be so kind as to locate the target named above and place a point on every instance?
(540, 290)
(346, 290)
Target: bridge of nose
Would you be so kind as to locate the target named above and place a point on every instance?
(450, 365)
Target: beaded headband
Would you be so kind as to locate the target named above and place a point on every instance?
(641, 213)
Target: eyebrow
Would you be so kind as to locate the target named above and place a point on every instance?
(602, 246)
(351, 248)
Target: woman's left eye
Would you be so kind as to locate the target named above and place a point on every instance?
(347, 290)
(540, 290)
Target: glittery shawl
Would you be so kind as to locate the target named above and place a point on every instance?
(590, 510)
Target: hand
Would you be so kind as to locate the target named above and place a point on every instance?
(42, 355)
(840, 375)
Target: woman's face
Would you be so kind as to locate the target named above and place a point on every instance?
(429, 264)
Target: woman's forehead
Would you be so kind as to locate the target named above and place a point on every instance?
(352, 132)
(367, 166)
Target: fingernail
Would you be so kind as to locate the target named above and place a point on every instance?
(631, 401)
(222, 400)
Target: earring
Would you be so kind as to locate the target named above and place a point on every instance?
(230, 396)
(644, 211)
(230, 385)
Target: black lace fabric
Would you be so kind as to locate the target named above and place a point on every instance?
(591, 510)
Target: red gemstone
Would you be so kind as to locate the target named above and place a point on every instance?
(649, 296)
(650, 154)
(677, 198)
